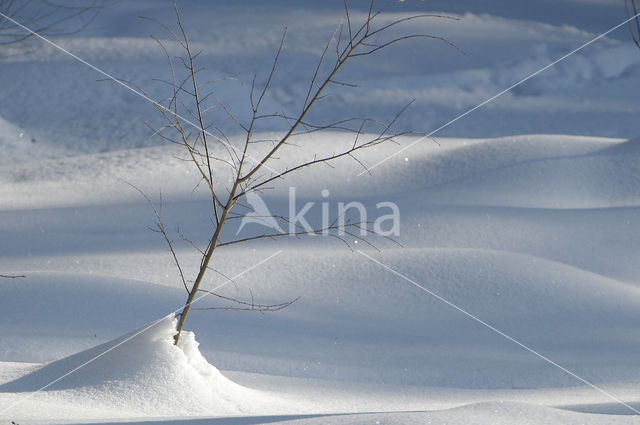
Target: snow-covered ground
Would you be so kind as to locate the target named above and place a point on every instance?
(524, 214)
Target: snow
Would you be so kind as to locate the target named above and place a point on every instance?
(139, 374)
(525, 216)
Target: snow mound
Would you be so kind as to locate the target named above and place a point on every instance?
(536, 171)
(145, 372)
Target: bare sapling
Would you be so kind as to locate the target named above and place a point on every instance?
(252, 162)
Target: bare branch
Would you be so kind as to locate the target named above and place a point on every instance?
(160, 229)
(45, 18)
(634, 25)
(346, 14)
(326, 231)
(406, 37)
(273, 70)
(244, 305)
(410, 18)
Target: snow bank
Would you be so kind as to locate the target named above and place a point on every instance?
(143, 372)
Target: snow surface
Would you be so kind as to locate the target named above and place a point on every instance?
(525, 216)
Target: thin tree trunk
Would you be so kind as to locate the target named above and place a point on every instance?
(205, 263)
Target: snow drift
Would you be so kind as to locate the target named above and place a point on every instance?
(144, 372)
